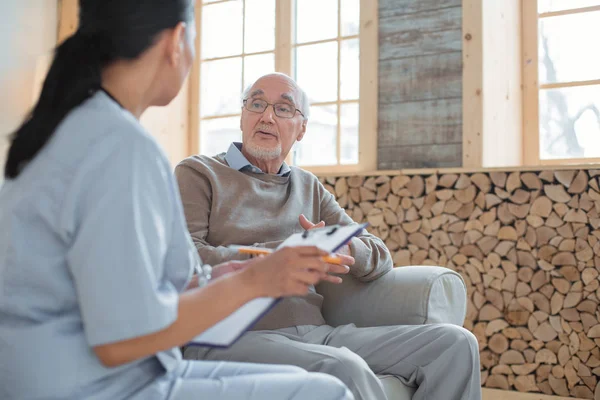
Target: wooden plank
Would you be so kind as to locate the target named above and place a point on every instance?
(420, 78)
(560, 85)
(368, 89)
(529, 63)
(472, 83)
(421, 122)
(428, 32)
(502, 97)
(495, 394)
(284, 13)
(569, 12)
(420, 156)
(390, 8)
(193, 134)
(456, 170)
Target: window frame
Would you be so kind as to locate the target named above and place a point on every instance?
(284, 48)
(532, 87)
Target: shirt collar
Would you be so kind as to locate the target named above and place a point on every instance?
(236, 160)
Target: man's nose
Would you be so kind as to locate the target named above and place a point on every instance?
(269, 114)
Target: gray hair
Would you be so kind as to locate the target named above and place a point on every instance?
(304, 105)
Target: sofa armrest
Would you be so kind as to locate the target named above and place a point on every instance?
(411, 295)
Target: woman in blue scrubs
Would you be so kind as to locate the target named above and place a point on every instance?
(95, 258)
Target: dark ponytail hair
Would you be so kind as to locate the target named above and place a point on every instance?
(109, 30)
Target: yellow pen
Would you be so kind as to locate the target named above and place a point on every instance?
(262, 252)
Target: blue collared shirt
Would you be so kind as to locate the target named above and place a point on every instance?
(236, 160)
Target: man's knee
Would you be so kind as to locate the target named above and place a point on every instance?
(463, 341)
(344, 364)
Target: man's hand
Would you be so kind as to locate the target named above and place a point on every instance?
(220, 270)
(229, 267)
(344, 254)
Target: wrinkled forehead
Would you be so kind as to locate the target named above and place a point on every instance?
(287, 97)
(276, 89)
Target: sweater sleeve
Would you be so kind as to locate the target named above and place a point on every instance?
(196, 197)
(373, 259)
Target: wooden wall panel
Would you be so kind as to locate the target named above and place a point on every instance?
(390, 8)
(421, 122)
(428, 32)
(420, 84)
(431, 77)
(444, 155)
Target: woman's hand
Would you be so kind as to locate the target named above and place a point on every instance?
(286, 272)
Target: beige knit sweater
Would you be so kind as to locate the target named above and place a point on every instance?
(224, 206)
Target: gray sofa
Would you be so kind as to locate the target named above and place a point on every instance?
(412, 295)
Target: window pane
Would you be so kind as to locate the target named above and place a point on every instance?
(217, 134)
(559, 5)
(222, 29)
(319, 145)
(316, 71)
(257, 66)
(350, 70)
(570, 122)
(316, 20)
(349, 139)
(260, 26)
(221, 87)
(567, 48)
(350, 17)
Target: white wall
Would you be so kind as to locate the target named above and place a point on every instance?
(28, 31)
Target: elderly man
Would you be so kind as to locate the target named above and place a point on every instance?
(250, 196)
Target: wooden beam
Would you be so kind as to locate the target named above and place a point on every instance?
(194, 89)
(569, 12)
(368, 89)
(492, 100)
(529, 63)
(472, 54)
(495, 394)
(560, 85)
(502, 99)
(283, 36)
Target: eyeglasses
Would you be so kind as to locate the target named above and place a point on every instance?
(282, 110)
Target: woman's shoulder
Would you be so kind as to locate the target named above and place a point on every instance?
(100, 126)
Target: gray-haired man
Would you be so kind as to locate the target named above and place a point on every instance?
(250, 196)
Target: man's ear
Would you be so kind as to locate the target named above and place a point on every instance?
(176, 44)
(302, 130)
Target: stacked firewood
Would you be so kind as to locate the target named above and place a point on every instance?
(528, 247)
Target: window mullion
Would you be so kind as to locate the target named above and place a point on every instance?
(338, 150)
(529, 62)
(284, 26)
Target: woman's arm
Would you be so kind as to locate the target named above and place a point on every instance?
(197, 311)
(288, 272)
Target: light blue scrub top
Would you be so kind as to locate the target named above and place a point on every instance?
(93, 249)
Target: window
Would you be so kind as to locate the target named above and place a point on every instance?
(328, 46)
(562, 81)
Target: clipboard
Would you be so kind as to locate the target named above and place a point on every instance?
(226, 332)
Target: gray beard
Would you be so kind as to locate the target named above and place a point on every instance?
(262, 153)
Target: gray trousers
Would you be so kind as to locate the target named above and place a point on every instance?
(217, 380)
(441, 360)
